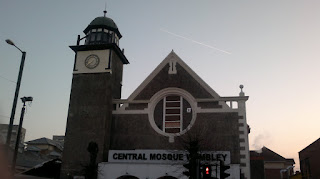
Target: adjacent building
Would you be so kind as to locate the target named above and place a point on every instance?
(310, 161)
(59, 139)
(45, 146)
(257, 166)
(4, 132)
(37, 152)
(274, 165)
(143, 136)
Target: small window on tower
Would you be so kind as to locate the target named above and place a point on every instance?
(92, 38)
(106, 37)
(112, 38)
(99, 36)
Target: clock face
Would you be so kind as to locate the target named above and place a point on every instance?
(92, 61)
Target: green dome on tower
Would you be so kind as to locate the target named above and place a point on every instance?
(103, 22)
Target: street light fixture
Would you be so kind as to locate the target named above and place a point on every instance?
(9, 42)
(16, 94)
(24, 100)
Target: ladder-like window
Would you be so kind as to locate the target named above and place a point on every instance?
(172, 110)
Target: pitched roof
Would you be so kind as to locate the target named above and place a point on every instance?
(313, 143)
(44, 140)
(47, 169)
(30, 159)
(172, 56)
(290, 161)
(269, 155)
(55, 154)
(33, 148)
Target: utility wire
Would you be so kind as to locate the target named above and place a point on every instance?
(7, 79)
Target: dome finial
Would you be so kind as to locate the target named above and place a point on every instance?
(105, 9)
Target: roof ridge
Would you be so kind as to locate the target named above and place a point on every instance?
(278, 155)
(173, 56)
(310, 144)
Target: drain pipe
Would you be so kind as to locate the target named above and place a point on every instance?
(288, 169)
(281, 171)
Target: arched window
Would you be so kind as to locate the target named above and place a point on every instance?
(167, 177)
(127, 177)
(172, 112)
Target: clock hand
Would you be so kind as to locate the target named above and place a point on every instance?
(90, 62)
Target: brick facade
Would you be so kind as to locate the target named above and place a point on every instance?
(310, 161)
(172, 103)
(138, 122)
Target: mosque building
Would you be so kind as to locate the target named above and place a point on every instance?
(143, 136)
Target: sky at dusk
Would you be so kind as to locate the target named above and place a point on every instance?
(271, 47)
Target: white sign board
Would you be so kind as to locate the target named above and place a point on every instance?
(165, 156)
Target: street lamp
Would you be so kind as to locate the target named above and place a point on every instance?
(14, 105)
(24, 100)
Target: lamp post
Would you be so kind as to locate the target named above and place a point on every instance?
(14, 105)
(24, 100)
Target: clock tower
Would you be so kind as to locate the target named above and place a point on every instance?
(96, 82)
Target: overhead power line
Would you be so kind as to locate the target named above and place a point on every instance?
(7, 79)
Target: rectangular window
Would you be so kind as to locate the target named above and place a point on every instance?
(172, 130)
(112, 38)
(92, 38)
(98, 36)
(173, 111)
(172, 124)
(172, 118)
(105, 37)
(173, 104)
